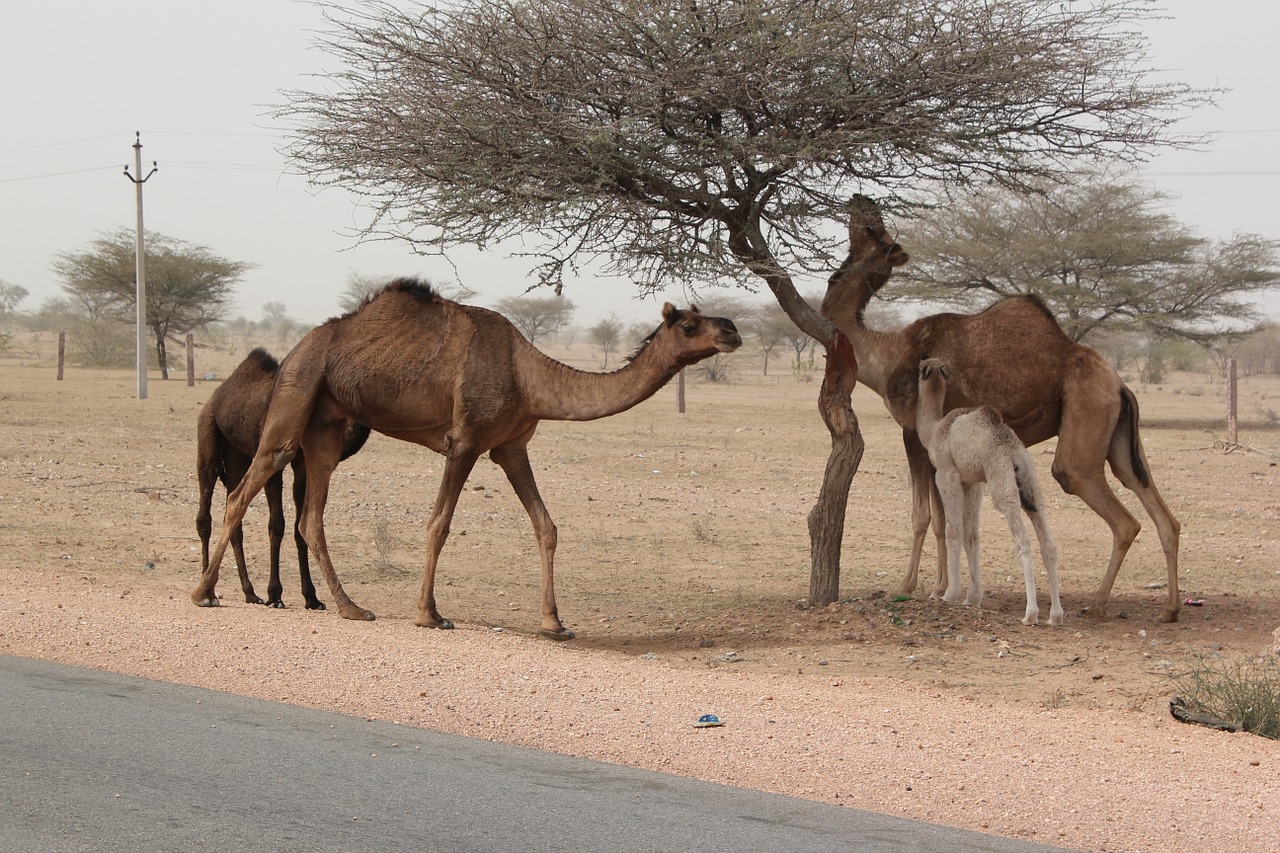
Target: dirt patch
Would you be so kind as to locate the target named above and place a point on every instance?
(683, 560)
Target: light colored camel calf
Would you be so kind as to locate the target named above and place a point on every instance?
(969, 447)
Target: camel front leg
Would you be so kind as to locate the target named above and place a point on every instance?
(456, 470)
(322, 448)
(515, 462)
(952, 492)
(923, 501)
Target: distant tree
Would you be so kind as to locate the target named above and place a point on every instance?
(275, 313)
(1101, 253)
(10, 296)
(771, 326)
(357, 289)
(536, 317)
(188, 286)
(606, 334)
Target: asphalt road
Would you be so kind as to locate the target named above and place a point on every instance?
(92, 761)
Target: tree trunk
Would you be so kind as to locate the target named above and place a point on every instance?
(826, 519)
(163, 356)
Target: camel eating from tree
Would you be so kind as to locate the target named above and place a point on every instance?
(1015, 358)
(227, 433)
(969, 447)
(460, 380)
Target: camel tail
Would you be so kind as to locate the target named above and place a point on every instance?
(1128, 422)
(1026, 487)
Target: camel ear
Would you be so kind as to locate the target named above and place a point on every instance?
(670, 314)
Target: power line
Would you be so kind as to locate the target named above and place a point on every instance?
(59, 144)
(59, 174)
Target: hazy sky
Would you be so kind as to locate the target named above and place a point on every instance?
(197, 79)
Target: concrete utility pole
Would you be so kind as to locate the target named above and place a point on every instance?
(141, 250)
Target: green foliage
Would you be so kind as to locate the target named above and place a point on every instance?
(1246, 693)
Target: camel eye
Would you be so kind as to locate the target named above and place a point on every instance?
(690, 329)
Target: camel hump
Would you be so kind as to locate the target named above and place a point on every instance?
(261, 359)
(415, 287)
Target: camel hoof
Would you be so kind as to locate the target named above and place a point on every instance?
(201, 600)
(442, 624)
(562, 634)
(253, 599)
(1169, 616)
(276, 605)
(316, 605)
(359, 614)
(1094, 612)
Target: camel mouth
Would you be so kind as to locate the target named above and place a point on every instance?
(729, 342)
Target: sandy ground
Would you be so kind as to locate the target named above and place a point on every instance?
(683, 556)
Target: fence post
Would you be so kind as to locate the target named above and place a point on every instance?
(1231, 400)
(680, 392)
(62, 352)
(191, 360)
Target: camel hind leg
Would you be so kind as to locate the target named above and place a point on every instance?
(313, 601)
(971, 527)
(1004, 494)
(1128, 462)
(275, 531)
(1084, 439)
(1049, 554)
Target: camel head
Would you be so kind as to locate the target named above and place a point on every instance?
(933, 370)
(691, 336)
(873, 254)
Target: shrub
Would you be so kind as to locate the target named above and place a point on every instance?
(1246, 693)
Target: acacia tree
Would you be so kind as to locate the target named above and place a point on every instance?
(188, 287)
(1101, 253)
(713, 140)
(10, 296)
(535, 316)
(606, 333)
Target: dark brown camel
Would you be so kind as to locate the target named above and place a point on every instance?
(1015, 358)
(460, 380)
(227, 433)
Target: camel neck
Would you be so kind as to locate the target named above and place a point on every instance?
(928, 412)
(556, 391)
(876, 351)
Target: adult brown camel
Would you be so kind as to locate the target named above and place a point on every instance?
(1015, 358)
(227, 433)
(460, 380)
